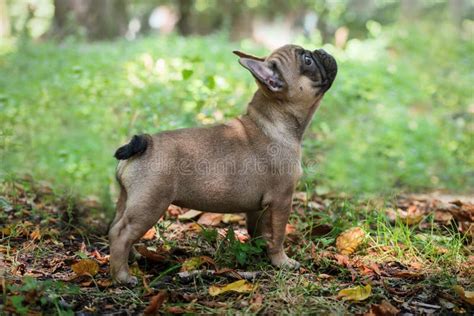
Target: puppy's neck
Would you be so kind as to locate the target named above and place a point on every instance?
(282, 121)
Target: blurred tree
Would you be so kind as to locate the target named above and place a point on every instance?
(4, 19)
(184, 9)
(456, 11)
(104, 19)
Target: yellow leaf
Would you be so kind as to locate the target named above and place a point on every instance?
(348, 241)
(358, 293)
(195, 262)
(232, 218)
(6, 231)
(189, 215)
(191, 264)
(85, 267)
(468, 296)
(240, 286)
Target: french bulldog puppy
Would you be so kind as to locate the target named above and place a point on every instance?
(250, 164)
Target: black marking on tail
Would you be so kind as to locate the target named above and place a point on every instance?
(136, 146)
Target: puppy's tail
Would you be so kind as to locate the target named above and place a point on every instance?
(135, 147)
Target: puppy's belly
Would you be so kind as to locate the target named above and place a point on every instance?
(211, 195)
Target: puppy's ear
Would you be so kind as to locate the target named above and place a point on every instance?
(245, 55)
(264, 73)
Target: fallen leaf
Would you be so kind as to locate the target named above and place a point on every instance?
(242, 236)
(174, 210)
(104, 283)
(300, 197)
(195, 262)
(36, 234)
(85, 267)
(320, 230)
(210, 219)
(240, 286)
(443, 217)
(383, 309)
(348, 241)
(150, 234)
(289, 229)
(155, 303)
(150, 254)
(467, 296)
(176, 310)
(256, 302)
(411, 216)
(358, 293)
(98, 256)
(232, 218)
(189, 215)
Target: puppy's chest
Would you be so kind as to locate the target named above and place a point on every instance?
(283, 162)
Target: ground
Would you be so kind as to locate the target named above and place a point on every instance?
(407, 254)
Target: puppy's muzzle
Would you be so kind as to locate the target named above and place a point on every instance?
(328, 67)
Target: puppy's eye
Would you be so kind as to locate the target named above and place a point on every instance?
(308, 60)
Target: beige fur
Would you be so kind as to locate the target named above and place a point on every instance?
(250, 164)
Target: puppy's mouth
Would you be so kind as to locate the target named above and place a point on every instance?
(327, 68)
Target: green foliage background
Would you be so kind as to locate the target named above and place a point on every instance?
(399, 116)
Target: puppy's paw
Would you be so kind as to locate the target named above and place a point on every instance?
(281, 260)
(126, 279)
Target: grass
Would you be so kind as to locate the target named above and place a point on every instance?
(398, 118)
(406, 265)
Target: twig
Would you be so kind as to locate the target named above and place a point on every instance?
(188, 276)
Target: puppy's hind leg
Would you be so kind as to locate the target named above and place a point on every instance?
(141, 213)
(120, 206)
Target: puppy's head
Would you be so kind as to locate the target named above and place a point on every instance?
(292, 73)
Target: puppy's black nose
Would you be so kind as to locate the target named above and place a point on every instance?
(329, 64)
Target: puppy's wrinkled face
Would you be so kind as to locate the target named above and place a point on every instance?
(292, 73)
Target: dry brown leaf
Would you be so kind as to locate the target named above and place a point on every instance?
(104, 283)
(241, 235)
(156, 302)
(174, 210)
(383, 309)
(99, 257)
(443, 217)
(189, 215)
(150, 234)
(467, 296)
(232, 218)
(176, 310)
(150, 254)
(256, 302)
(85, 267)
(210, 219)
(348, 241)
(36, 234)
(411, 216)
(289, 229)
(357, 293)
(240, 286)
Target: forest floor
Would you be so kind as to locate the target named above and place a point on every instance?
(409, 254)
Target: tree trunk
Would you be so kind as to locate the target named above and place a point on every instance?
(4, 19)
(456, 12)
(104, 19)
(184, 22)
(409, 9)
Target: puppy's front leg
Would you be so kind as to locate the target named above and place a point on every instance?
(273, 228)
